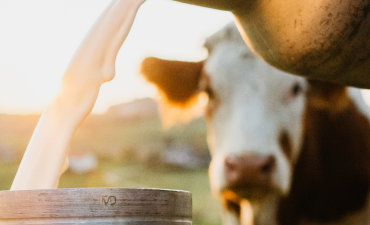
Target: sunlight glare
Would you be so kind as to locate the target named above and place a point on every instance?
(41, 37)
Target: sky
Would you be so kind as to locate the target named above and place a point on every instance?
(38, 39)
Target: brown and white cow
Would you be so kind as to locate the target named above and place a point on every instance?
(290, 150)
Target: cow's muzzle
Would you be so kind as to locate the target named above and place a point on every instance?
(249, 176)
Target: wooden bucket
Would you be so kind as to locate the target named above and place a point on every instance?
(96, 206)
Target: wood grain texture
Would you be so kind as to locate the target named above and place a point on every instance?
(96, 206)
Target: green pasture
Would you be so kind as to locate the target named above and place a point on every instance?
(113, 140)
(206, 209)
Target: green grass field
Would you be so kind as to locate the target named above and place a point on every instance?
(110, 139)
(206, 210)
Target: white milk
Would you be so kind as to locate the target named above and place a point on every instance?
(45, 158)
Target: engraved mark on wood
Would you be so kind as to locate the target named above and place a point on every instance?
(109, 200)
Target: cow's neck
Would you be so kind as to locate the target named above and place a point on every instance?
(332, 175)
(359, 217)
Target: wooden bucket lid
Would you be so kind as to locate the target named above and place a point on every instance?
(96, 205)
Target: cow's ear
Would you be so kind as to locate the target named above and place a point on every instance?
(178, 86)
(177, 80)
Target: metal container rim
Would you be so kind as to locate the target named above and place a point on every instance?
(95, 203)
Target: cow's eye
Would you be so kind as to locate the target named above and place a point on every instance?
(247, 55)
(296, 89)
(212, 102)
(209, 92)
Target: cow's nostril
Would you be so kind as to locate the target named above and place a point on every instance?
(244, 170)
(268, 166)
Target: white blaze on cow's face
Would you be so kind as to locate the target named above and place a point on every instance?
(253, 109)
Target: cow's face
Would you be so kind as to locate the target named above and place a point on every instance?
(254, 114)
(255, 121)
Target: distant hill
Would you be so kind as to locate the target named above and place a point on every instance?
(139, 108)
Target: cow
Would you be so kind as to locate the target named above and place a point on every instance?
(322, 39)
(285, 150)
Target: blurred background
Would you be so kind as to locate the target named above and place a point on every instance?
(125, 147)
(122, 143)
